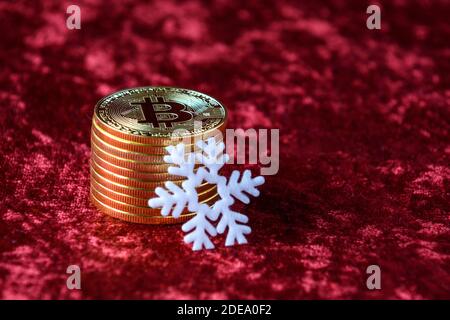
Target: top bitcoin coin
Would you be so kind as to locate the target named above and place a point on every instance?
(155, 113)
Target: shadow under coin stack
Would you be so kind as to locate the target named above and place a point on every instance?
(130, 130)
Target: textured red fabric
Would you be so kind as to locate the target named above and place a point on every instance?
(364, 165)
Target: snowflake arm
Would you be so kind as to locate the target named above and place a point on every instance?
(235, 222)
(236, 231)
(200, 227)
(212, 158)
(183, 164)
(247, 184)
(174, 199)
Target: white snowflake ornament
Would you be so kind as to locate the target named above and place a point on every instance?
(173, 199)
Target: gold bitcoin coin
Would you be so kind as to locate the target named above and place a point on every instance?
(142, 202)
(130, 164)
(130, 170)
(132, 159)
(137, 192)
(129, 145)
(134, 182)
(158, 115)
(134, 209)
(122, 154)
(129, 217)
(132, 173)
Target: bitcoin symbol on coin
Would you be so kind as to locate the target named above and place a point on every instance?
(161, 111)
(151, 114)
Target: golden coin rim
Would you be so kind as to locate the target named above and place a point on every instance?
(129, 217)
(147, 208)
(128, 170)
(102, 150)
(142, 168)
(130, 142)
(163, 176)
(96, 174)
(133, 173)
(158, 157)
(144, 194)
(119, 194)
(141, 149)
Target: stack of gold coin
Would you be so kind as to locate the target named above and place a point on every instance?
(130, 131)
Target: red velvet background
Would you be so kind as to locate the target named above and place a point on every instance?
(364, 119)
